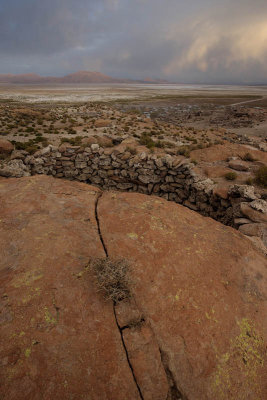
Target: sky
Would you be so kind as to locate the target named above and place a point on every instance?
(184, 41)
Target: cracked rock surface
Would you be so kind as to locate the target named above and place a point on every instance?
(194, 329)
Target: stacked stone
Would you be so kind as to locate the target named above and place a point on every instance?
(172, 178)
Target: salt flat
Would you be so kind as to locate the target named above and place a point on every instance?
(109, 92)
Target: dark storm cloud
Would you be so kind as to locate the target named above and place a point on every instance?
(47, 26)
(196, 40)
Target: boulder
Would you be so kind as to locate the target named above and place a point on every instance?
(241, 221)
(259, 205)
(194, 328)
(252, 213)
(89, 140)
(221, 191)
(253, 229)
(245, 191)
(5, 146)
(238, 165)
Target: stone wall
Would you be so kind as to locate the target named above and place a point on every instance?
(169, 177)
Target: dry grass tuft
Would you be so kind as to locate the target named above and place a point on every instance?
(261, 176)
(113, 278)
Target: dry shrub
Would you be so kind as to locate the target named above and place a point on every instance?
(230, 176)
(261, 176)
(113, 278)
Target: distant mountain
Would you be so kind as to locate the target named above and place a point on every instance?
(76, 77)
(88, 77)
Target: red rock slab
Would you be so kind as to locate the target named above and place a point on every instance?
(221, 152)
(201, 287)
(59, 338)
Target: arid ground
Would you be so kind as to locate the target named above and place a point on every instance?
(211, 125)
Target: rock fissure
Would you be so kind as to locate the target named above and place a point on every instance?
(126, 353)
(174, 393)
(114, 305)
(98, 223)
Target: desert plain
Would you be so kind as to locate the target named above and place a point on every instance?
(211, 125)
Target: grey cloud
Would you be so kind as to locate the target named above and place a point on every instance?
(193, 41)
(44, 27)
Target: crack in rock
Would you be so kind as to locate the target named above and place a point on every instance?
(114, 310)
(174, 393)
(98, 223)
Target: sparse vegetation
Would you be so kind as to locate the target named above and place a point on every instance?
(30, 146)
(230, 176)
(261, 176)
(166, 127)
(146, 140)
(77, 141)
(184, 151)
(113, 278)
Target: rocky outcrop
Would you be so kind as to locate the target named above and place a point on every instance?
(194, 328)
(15, 168)
(173, 178)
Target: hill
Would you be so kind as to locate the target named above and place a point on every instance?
(79, 77)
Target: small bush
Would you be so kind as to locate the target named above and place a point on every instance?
(261, 176)
(159, 144)
(112, 278)
(29, 129)
(230, 176)
(77, 141)
(31, 149)
(146, 140)
(29, 146)
(39, 139)
(184, 151)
